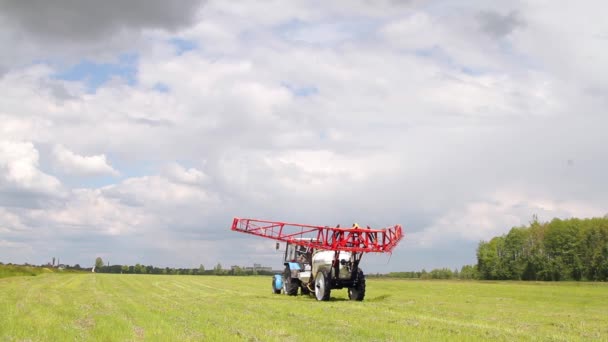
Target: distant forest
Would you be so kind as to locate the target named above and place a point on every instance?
(571, 249)
(142, 269)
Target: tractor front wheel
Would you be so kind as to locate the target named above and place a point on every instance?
(322, 285)
(291, 286)
(358, 292)
(277, 284)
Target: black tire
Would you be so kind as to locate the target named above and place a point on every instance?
(358, 292)
(290, 285)
(322, 285)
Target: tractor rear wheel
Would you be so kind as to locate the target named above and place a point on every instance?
(358, 292)
(322, 285)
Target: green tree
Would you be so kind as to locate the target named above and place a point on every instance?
(441, 273)
(217, 270)
(516, 252)
(424, 274)
(98, 263)
(140, 269)
(572, 249)
(201, 269)
(561, 243)
(236, 270)
(468, 272)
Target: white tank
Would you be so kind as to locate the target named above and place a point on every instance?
(321, 260)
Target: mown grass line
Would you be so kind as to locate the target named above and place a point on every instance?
(112, 307)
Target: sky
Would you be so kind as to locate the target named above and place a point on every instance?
(136, 131)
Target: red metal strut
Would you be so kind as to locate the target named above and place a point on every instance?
(353, 239)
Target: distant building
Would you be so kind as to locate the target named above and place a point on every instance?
(257, 268)
(251, 269)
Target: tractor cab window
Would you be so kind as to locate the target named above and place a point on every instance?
(290, 252)
(297, 253)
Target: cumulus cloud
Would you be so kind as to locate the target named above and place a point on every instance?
(19, 170)
(69, 162)
(66, 32)
(180, 174)
(456, 120)
(499, 25)
(84, 20)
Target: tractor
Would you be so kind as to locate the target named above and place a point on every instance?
(319, 259)
(317, 272)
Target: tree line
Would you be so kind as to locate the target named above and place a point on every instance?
(573, 249)
(466, 272)
(149, 269)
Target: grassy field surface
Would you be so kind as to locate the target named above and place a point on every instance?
(108, 307)
(12, 271)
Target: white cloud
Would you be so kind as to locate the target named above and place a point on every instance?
(483, 220)
(389, 113)
(180, 174)
(89, 212)
(96, 31)
(162, 193)
(19, 169)
(10, 221)
(415, 32)
(567, 41)
(71, 163)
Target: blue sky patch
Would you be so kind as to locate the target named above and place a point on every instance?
(161, 87)
(329, 32)
(95, 74)
(440, 56)
(183, 45)
(301, 91)
(471, 71)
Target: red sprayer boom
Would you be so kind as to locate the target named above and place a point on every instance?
(354, 239)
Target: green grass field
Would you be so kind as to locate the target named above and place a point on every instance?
(106, 307)
(14, 270)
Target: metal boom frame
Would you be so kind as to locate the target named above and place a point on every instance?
(364, 240)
